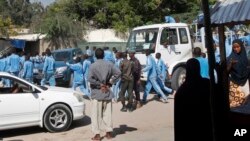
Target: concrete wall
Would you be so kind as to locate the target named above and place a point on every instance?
(98, 38)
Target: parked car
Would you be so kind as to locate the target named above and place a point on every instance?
(24, 104)
(63, 74)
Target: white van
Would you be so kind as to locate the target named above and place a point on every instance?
(172, 40)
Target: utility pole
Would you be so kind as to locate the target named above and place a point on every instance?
(211, 61)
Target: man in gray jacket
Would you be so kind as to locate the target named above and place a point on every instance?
(102, 74)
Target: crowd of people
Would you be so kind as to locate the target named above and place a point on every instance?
(106, 76)
(128, 86)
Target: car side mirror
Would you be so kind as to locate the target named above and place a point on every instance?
(34, 90)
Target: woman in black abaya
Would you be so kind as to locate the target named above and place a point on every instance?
(192, 114)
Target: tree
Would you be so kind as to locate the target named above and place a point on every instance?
(6, 27)
(60, 27)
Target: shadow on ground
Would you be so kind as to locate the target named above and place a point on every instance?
(123, 129)
(82, 122)
(33, 130)
(20, 132)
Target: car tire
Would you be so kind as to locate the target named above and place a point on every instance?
(57, 118)
(178, 78)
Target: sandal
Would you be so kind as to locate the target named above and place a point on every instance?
(108, 135)
(96, 138)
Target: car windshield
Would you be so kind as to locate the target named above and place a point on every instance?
(142, 39)
(62, 56)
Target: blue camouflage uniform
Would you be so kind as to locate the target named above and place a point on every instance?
(151, 69)
(48, 71)
(7, 69)
(204, 67)
(14, 63)
(90, 55)
(3, 64)
(37, 61)
(85, 67)
(162, 76)
(108, 56)
(22, 60)
(78, 75)
(28, 71)
(117, 85)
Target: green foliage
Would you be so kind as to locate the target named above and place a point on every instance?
(59, 26)
(6, 27)
(67, 18)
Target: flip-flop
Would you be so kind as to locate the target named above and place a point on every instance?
(108, 137)
(96, 139)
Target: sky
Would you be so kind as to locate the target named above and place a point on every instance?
(44, 2)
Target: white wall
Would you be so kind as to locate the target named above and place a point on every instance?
(105, 35)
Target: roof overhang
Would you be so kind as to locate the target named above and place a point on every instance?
(29, 37)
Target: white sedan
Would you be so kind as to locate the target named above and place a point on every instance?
(23, 104)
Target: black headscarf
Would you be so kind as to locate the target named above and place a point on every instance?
(239, 72)
(192, 70)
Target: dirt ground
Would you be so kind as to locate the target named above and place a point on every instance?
(152, 122)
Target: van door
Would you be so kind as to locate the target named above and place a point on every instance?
(175, 45)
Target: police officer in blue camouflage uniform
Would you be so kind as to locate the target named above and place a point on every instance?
(108, 55)
(85, 67)
(14, 62)
(28, 69)
(49, 70)
(78, 75)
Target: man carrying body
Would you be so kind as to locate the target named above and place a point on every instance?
(151, 69)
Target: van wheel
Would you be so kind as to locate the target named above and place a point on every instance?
(57, 118)
(178, 78)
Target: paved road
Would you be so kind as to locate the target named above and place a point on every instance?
(152, 122)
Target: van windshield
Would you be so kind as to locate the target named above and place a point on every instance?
(62, 56)
(142, 39)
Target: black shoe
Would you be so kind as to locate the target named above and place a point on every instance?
(131, 109)
(123, 109)
(143, 102)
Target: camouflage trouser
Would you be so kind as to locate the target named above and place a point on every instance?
(126, 85)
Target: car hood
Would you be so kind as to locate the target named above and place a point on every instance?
(60, 89)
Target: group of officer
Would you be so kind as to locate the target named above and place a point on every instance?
(22, 65)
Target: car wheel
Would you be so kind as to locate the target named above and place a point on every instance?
(57, 118)
(178, 78)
